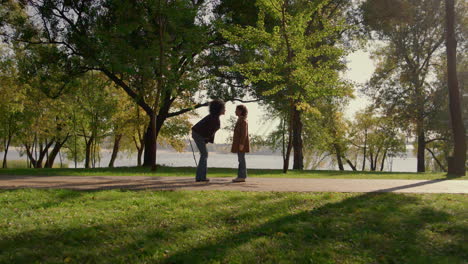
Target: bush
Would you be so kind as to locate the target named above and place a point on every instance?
(17, 164)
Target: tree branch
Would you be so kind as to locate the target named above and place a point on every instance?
(435, 139)
(185, 110)
(128, 90)
(438, 162)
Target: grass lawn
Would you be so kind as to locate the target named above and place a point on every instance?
(223, 172)
(63, 226)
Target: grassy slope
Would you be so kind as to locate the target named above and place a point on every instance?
(222, 172)
(56, 226)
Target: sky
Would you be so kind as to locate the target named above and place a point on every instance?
(360, 69)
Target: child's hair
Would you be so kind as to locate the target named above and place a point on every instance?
(216, 107)
(243, 110)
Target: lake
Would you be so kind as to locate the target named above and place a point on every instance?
(221, 160)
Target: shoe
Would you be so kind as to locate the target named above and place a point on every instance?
(204, 180)
(238, 180)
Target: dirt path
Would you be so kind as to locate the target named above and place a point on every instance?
(252, 184)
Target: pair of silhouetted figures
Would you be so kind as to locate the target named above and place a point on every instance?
(204, 132)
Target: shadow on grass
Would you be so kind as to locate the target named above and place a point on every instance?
(370, 228)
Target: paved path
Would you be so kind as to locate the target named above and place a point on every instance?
(252, 184)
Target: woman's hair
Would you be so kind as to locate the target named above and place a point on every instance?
(216, 107)
(243, 110)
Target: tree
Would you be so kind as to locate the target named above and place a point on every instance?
(457, 167)
(375, 137)
(293, 59)
(413, 34)
(95, 106)
(363, 123)
(12, 95)
(439, 122)
(138, 125)
(153, 50)
(44, 126)
(48, 76)
(120, 122)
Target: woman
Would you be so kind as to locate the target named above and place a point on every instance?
(203, 132)
(240, 142)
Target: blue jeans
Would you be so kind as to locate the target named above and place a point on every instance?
(202, 164)
(242, 171)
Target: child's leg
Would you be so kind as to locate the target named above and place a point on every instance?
(242, 171)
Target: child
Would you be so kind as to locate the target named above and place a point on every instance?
(203, 132)
(240, 143)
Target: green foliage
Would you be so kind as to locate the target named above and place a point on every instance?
(18, 164)
(46, 68)
(294, 51)
(413, 35)
(74, 149)
(378, 136)
(12, 96)
(22, 164)
(175, 132)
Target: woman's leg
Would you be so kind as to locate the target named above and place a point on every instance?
(202, 163)
(242, 171)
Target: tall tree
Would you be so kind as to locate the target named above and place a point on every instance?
(458, 167)
(412, 32)
(293, 61)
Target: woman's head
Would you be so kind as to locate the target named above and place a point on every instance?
(217, 107)
(241, 110)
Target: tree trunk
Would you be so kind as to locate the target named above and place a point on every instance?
(458, 128)
(88, 152)
(288, 154)
(29, 153)
(32, 151)
(353, 167)
(298, 163)
(140, 154)
(139, 145)
(421, 150)
(40, 158)
(338, 157)
(149, 159)
(365, 149)
(376, 159)
(115, 149)
(43, 152)
(55, 151)
(371, 160)
(7, 146)
(383, 160)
